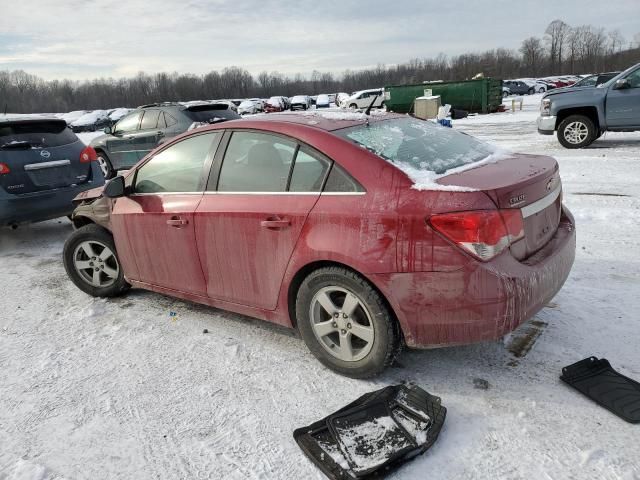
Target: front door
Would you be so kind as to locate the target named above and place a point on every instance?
(154, 225)
(623, 105)
(247, 227)
(121, 147)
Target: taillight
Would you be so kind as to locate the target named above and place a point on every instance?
(482, 233)
(88, 155)
(4, 169)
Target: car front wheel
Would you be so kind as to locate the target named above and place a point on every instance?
(92, 263)
(576, 131)
(346, 323)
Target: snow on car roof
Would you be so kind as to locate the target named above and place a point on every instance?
(327, 119)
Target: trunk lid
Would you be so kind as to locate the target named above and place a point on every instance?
(528, 182)
(41, 155)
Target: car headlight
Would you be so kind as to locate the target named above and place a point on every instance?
(545, 107)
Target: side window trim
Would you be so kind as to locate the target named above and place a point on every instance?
(206, 167)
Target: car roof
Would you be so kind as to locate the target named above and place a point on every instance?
(327, 119)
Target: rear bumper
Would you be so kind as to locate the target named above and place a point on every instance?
(546, 125)
(44, 205)
(482, 301)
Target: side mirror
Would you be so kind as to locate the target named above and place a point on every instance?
(621, 84)
(107, 130)
(115, 187)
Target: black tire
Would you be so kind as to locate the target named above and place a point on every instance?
(581, 122)
(354, 106)
(101, 236)
(531, 91)
(387, 337)
(105, 165)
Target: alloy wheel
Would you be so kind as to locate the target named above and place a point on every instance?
(96, 263)
(104, 167)
(576, 133)
(342, 323)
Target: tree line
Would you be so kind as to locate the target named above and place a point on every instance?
(562, 49)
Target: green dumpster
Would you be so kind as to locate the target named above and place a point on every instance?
(481, 96)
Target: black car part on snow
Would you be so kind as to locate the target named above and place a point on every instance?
(374, 434)
(601, 383)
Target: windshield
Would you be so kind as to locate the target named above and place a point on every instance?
(420, 144)
(587, 82)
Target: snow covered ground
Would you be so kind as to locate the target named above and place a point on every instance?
(132, 388)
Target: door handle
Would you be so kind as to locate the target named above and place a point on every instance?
(160, 133)
(177, 222)
(275, 223)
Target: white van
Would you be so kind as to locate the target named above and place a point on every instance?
(363, 99)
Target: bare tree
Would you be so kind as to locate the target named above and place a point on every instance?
(556, 36)
(532, 54)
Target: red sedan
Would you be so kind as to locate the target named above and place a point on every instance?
(325, 223)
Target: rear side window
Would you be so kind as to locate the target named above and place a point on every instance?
(150, 119)
(341, 181)
(35, 134)
(256, 162)
(178, 168)
(308, 173)
(169, 120)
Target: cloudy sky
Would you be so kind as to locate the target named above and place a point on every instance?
(82, 39)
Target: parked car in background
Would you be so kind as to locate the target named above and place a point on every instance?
(139, 132)
(580, 115)
(518, 87)
(259, 103)
(322, 101)
(363, 99)
(247, 107)
(301, 102)
(595, 80)
(281, 239)
(91, 121)
(332, 97)
(340, 98)
(43, 166)
(274, 104)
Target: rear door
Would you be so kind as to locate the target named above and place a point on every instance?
(121, 146)
(247, 227)
(40, 155)
(623, 105)
(154, 224)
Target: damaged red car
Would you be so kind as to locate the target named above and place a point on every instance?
(366, 233)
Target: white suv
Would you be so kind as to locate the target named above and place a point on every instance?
(363, 99)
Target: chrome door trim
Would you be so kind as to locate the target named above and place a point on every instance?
(40, 166)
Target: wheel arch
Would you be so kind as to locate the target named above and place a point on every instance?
(307, 269)
(591, 112)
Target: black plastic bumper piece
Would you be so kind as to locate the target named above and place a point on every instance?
(374, 434)
(601, 383)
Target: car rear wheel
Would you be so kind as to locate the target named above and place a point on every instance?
(105, 165)
(576, 131)
(346, 323)
(353, 106)
(92, 263)
(531, 91)
(541, 90)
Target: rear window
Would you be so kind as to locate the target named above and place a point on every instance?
(211, 113)
(35, 134)
(422, 145)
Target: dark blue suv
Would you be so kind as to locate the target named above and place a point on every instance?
(43, 166)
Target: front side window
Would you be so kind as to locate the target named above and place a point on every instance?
(256, 162)
(417, 143)
(178, 168)
(634, 79)
(128, 123)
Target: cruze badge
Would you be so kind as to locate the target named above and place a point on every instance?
(516, 200)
